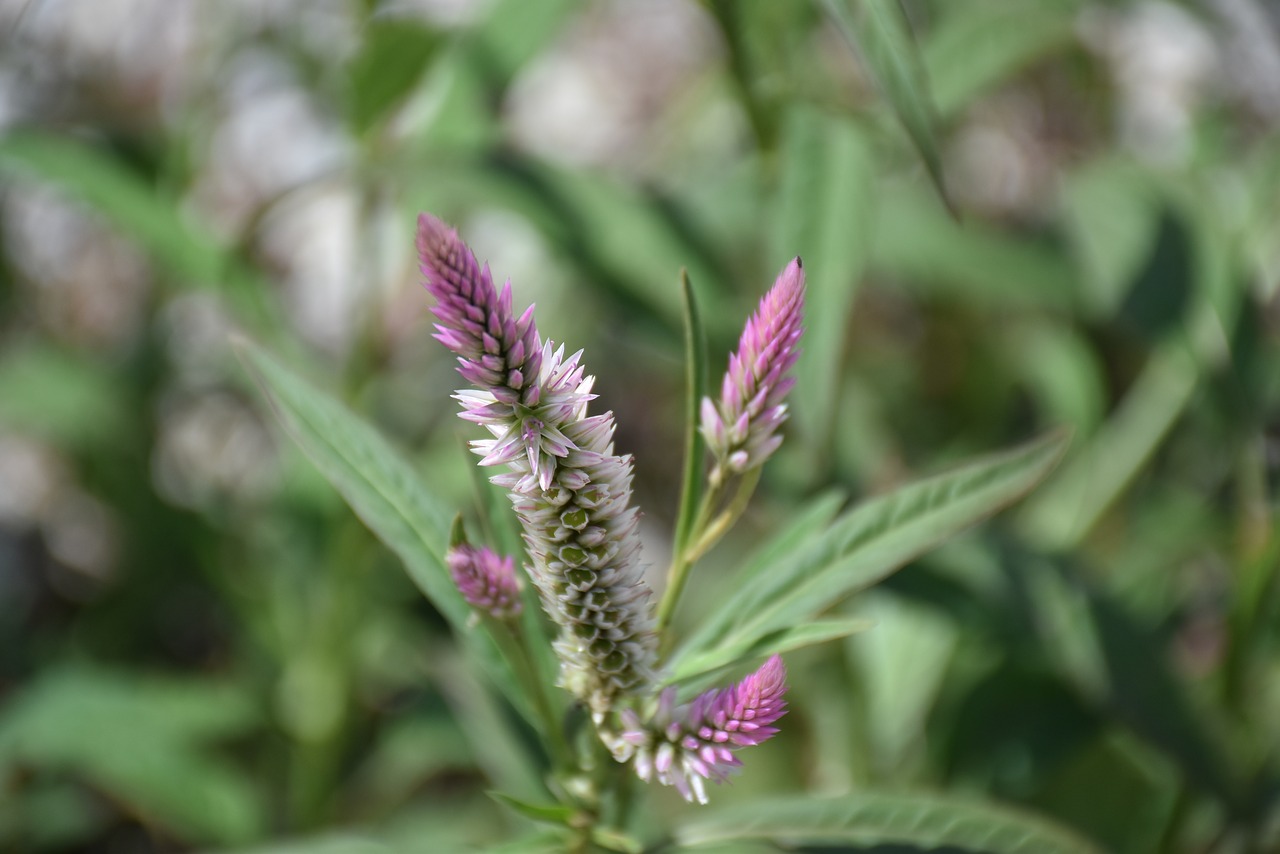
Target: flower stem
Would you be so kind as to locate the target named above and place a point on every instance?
(678, 573)
(505, 635)
(705, 533)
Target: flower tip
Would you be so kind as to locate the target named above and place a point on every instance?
(792, 276)
(773, 672)
(432, 231)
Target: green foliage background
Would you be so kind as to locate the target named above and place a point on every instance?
(1015, 217)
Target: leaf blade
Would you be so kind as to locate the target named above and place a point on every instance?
(784, 640)
(882, 818)
(880, 29)
(875, 538)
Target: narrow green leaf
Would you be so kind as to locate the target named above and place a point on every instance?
(613, 840)
(1091, 482)
(388, 496)
(807, 524)
(378, 483)
(785, 640)
(516, 31)
(543, 841)
(695, 354)
(875, 538)
(1073, 502)
(899, 669)
(500, 748)
(546, 813)
(140, 211)
(58, 395)
(916, 241)
(979, 44)
(1110, 215)
(881, 30)
(824, 216)
(926, 821)
(393, 54)
(118, 193)
(143, 741)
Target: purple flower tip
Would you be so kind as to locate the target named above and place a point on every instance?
(486, 581)
(684, 746)
(740, 427)
(498, 351)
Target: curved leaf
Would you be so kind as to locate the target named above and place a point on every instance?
(869, 542)
(388, 496)
(825, 205)
(785, 640)
(926, 821)
(378, 483)
(881, 30)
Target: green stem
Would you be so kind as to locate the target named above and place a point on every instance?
(682, 562)
(695, 345)
(704, 534)
(505, 634)
(710, 534)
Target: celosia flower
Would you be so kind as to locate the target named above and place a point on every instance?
(683, 746)
(571, 492)
(741, 428)
(486, 581)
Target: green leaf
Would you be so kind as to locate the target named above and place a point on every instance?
(695, 354)
(546, 813)
(379, 484)
(979, 44)
(807, 523)
(1110, 216)
(516, 31)
(824, 216)
(151, 217)
(871, 541)
(1073, 501)
(880, 28)
(408, 752)
(931, 252)
(142, 740)
(613, 840)
(925, 821)
(541, 841)
(120, 194)
(55, 394)
(385, 492)
(393, 54)
(902, 665)
(1095, 478)
(689, 667)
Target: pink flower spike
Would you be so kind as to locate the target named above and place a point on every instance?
(486, 581)
(740, 426)
(570, 489)
(688, 744)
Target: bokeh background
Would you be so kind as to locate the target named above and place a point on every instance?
(201, 647)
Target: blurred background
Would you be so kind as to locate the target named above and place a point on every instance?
(202, 647)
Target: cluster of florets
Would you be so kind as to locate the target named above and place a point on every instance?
(741, 428)
(684, 745)
(572, 495)
(571, 492)
(486, 580)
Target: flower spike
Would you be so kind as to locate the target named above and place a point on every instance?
(741, 427)
(571, 492)
(683, 746)
(486, 581)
